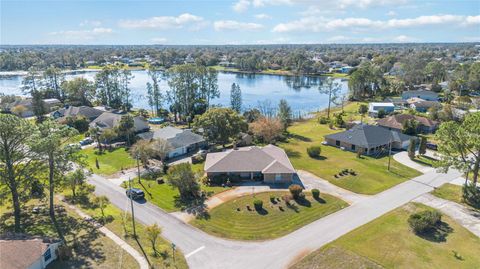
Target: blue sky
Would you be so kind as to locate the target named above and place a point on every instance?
(238, 22)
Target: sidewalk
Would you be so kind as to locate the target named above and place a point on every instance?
(124, 245)
(468, 218)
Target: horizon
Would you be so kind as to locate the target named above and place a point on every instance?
(238, 22)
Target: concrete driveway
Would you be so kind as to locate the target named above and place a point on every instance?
(205, 251)
(402, 157)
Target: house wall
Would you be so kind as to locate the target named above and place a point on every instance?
(365, 151)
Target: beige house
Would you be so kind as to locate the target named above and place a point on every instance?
(270, 164)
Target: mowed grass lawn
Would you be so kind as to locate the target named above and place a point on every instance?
(165, 196)
(372, 175)
(274, 221)
(389, 242)
(453, 193)
(110, 161)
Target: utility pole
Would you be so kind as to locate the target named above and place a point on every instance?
(131, 205)
(173, 252)
(389, 153)
(138, 168)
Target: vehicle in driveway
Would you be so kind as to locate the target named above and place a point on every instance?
(432, 146)
(135, 194)
(86, 141)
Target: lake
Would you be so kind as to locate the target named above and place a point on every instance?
(301, 92)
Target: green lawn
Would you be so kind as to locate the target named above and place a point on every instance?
(91, 249)
(274, 221)
(389, 242)
(110, 161)
(425, 160)
(372, 174)
(453, 193)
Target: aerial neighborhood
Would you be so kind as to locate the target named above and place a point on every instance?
(346, 153)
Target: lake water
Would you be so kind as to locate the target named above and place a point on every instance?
(300, 92)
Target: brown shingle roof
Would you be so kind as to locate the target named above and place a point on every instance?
(397, 121)
(20, 253)
(269, 159)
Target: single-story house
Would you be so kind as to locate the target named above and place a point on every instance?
(369, 139)
(27, 106)
(52, 103)
(111, 120)
(23, 252)
(423, 106)
(374, 108)
(396, 122)
(183, 141)
(269, 163)
(89, 113)
(397, 101)
(423, 94)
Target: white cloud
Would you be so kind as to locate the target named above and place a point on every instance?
(241, 5)
(263, 16)
(165, 22)
(235, 25)
(94, 23)
(70, 36)
(317, 24)
(159, 40)
(391, 13)
(338, 38)
(404, 38)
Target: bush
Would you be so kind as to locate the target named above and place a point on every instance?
(315, 193)
(424, 221)
(314, 151)
(323, 120)
(471, 195)
(258, 204)
(197, 159)
(381, 114)
(295, 190)
(273, 199)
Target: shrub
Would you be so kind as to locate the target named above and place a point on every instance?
(314, 151)
(287, 199)
(273, 199)
(315, 193)
(323, 120)
(471, 195)
(381, 114)
(295, 190)
(258, 204)
(424, 221)
(301, 196)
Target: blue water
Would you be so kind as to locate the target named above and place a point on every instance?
(300, 92)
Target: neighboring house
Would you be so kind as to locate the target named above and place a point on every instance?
(374, 108)
(244, 139)
(52, 103)
(87, 112)
(111, 120)
(183, 141)
(396, 123)
(22, 252)
(270, 164)
(346, 69)
(423, 106)
(27, 106)
(423, 94)
(369, 139)
(398, 102)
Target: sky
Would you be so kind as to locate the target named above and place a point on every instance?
(127, 22)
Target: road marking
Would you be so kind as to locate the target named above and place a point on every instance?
(195, 251)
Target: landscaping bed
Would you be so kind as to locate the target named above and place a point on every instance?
(239, 219)
(370, 175)
(390, 242)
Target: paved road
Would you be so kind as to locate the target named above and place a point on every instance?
(205, 251)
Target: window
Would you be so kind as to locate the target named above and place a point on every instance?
(353, 147)
(278, 177)
(337, 143)
(47, 255)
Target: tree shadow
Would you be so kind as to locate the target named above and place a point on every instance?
(300, 137)
(320, 200)
(292, 153)
(437, 234)
(303, 202)
(195, 206)
(319, 158)
(293, 207)
(261, 211)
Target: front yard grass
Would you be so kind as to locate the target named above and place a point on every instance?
(110, 161)
(452, 193)
(371, 176)
(424, 160)
(389, 242)
(273, 221)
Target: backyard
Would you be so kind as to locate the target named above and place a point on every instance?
(109, 162)
(371, 174)
(238, 219)
(388, 241)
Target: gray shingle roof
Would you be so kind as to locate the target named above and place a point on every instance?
(111, 120)
(269, 159)
(369, 136)
(85, 111)
(176, 137)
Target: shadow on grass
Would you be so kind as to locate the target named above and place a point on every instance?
(300, 137)
(320, 200)
(261, 211)
(292, 153)
(438, 234)
(303, 202)
(319, 158)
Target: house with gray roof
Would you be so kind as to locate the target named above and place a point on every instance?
(269, 163)
(369, 139)
(422, 94)
(109, 120)
(87, 112)
(183, 141)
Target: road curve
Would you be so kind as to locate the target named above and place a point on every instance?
(206, 251)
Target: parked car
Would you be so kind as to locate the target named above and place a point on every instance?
(86, 141)
(136, 194)
(432, 146)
